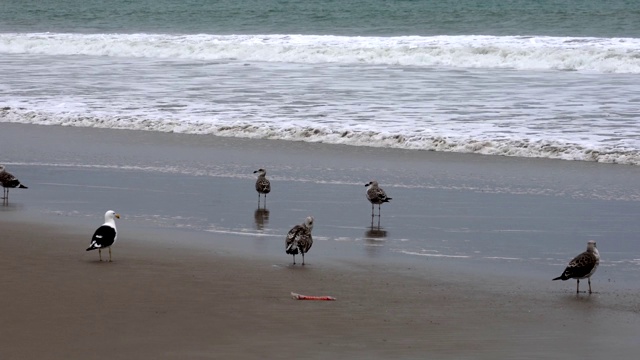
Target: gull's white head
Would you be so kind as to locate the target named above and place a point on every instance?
(308, 222)
(591, 244)
(372, 183)
(110, 216)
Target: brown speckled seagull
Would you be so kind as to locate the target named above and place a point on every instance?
(376, 195)
(582, 266)
(299, 239)
(8, 181)
(263, 186)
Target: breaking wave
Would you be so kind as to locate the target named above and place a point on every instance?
(325, 134)
(599, 55)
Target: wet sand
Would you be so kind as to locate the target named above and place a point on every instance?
(164, 301)
(198, 273)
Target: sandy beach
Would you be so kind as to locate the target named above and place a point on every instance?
(166, 302)
(198, 274)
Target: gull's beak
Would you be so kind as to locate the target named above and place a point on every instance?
(117, 216)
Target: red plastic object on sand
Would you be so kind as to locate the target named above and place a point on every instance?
(308, 297)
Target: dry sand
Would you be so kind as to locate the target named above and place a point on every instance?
(165, 302)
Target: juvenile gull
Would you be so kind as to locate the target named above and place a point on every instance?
(582, 266)
(263, 186)
(8, 181)
(299, 239)
(376, 195)
(105, 235)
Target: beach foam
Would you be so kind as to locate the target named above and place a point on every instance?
(492, 95)
(600, 55)
(477, 143)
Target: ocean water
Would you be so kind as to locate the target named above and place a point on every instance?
(552, 79)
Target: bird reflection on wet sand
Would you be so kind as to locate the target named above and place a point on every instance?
(261, 218)
(374, 238)
(375, 232)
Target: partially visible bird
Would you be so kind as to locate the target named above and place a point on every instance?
(582, 266)
(8, 181)
(376, 195)
(263, 186)
(299, 239)
(106, 235)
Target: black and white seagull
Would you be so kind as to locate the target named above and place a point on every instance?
(8, 181)
(263, 186)
(299, 239)
(106, 235)
(582, 266)
(376, 195)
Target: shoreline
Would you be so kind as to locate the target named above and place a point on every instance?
(540, 151)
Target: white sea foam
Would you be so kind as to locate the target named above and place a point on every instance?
(242, 233)
(433, 254)
(329, 89)
(323, 134)
(602, 55)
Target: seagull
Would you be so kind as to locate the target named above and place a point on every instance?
(582, 266)
(8, 181)
(376, 195)
(105, 235)
(299, 239)
(263, 186)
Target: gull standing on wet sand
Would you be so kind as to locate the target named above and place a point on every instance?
(582, 266)
(106, 235)
(299, 239)
(376, 195)
(263, 186)
(8, 181)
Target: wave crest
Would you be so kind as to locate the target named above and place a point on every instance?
(321, 134)
(602, 55)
